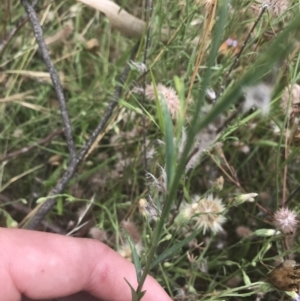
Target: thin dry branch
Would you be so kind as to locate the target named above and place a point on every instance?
(36, 216)
(38, 32)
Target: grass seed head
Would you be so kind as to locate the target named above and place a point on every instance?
(170, 96)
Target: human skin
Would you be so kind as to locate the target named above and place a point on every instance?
(42, 266)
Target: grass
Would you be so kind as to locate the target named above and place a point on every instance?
(109, 184)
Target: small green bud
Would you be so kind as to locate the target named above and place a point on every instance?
(266, 232)
(242, 198)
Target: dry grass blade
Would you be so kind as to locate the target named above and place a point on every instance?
(19, 97)
(16, 178)
(204, 40)
(109, 125)
(16, 97)
(37, 75)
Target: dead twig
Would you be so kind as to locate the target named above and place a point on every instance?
(38, 32)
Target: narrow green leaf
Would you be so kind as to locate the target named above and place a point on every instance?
(219, 27)
(179, 85)
(158, 104)
(135, 296)
(59, 206)
(247, 280)
(174, 248)
(136, 260)
(169, 141)
(68, 197)
(10, 222)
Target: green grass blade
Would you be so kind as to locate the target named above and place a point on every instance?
(222, 13)
(174, 248)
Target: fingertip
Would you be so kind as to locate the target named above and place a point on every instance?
(110, 272)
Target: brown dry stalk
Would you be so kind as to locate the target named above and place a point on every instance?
(118, 17)
(59, 36)
(16, 97)
(121, 20)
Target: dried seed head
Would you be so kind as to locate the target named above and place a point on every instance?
(243, 231)
(148, 210)
(234, 281)
(132, 230)
(218, 184)
(170, 96)
(159, 183)
(259, 97)
(276, 7)
(207, 213)
(285, 220)
(290, 103)
(125, 250)
(98, 234)
(187, 212)
(210, 216)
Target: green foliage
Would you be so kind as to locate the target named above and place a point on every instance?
(251, 156)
